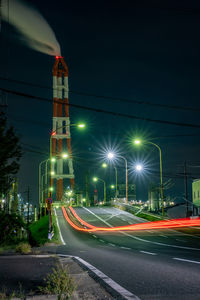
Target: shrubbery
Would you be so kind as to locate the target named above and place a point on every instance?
(11, 228)
(23, 248)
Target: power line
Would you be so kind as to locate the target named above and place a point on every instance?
(102, 110)
(140, 102)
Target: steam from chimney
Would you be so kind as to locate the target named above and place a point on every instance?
(33, 28)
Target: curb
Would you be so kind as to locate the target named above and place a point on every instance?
(110, 285)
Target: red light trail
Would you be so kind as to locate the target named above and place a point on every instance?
(165, 224)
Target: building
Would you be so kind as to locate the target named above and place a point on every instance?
(196, 192)
(131, 191)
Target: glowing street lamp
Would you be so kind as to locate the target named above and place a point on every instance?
(81, 125)
(104, 165)
(138, 142)
(65, 155)
(95, 179)
(111, 156)
(139, 167)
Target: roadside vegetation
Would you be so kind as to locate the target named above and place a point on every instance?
(39, 231)
(13, 231)
(59, 283)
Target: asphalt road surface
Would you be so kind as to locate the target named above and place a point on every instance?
(153, 264)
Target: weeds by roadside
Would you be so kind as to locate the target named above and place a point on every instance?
(59, 283)
(23, 248)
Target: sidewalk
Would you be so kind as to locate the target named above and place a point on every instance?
(24, 273)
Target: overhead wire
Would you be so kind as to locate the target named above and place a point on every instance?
(98, 110)
(140, 102)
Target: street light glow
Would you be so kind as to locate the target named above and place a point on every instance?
(104, 165)
(95, 179)
(137, 142)
(51, 189)
(112, 186)
(139, 167)
(53, 159)
(110, 155)
(65, 155)
(52, 173)
(81, 125)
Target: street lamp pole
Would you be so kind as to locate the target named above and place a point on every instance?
(126, 168)
(104, 186)
(40, 165)
(161, 179)
(115, 182)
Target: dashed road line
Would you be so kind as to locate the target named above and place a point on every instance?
(140, 239)
(146, 252)
(102, 241)
(126, 248)
(187, 260)
(94, 235)
(111, 244)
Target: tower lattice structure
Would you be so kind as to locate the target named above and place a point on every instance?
(61, 128)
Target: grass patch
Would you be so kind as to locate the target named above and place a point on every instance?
(148, 217)
(39, 231)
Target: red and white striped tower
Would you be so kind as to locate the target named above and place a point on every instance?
(61, 126)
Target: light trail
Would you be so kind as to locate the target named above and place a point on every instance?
(175, 223)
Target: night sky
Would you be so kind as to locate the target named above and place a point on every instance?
(126, 52)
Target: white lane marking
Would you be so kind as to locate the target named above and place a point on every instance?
(102, 241)
(163, 235)
(130, 223)
(111, 244)
(126, 248)
(94, 235)
(146, 252)
(142, 240)
(180, 241)
(111, 283)
(61, 237)
(187, 260)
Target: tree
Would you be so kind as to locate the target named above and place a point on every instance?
(10, 153)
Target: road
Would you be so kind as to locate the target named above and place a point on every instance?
(159, 264)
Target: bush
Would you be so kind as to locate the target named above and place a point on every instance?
(59, 283)
(11, 226)
(23, 248)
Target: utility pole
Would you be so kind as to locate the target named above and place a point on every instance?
(87, 188)
(186, 189)
(28, 199)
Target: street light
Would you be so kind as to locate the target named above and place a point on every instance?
(139, 167)
(104, 165)
(95, 179)
(111, 156)
(138, 142)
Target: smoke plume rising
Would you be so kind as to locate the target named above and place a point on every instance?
(34, 29)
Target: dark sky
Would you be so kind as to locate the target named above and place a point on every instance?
(144, 51)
